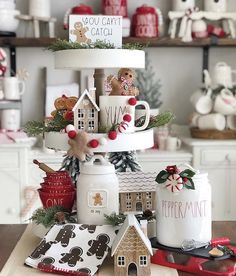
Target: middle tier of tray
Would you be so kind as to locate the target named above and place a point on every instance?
(125, 142)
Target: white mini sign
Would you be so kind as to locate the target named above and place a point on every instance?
(89, 28)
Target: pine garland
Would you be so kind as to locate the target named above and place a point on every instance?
(58, 123)
(125, 161)
(99, 44)
(47, 217)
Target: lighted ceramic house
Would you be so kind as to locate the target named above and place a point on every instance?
(131, 250)
(137, 191)
(86, 113)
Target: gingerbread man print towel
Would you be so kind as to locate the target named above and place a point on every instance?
(73, 247)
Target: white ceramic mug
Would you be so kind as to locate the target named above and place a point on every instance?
(223, 75)
(13, 88)
(113, 108)
(231, 122)
(215, 5)
(173, 143)
(182, 5)
(225, 102)
(212, 121)
(10, 119)
(202, 102)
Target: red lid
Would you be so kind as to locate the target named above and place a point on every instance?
(82, 9)
(145, 9)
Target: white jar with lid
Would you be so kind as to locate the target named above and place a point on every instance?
(182, 5)
(97, 191)
(185, 215)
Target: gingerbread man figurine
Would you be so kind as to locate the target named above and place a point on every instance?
(79, 32)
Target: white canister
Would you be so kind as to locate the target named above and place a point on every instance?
(215, 5)
(183, 5)
(40, 8)
(97, 191)
(184, 215)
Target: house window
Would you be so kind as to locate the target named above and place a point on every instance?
(91, 113)
(128, 196)
(129, 205)
(81, 113)
(80, 125)
(138, 196)
(143, 260)
(149, 205)
(149, 195)
(121, 260)
(91, 125)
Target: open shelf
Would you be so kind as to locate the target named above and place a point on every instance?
(150, 42)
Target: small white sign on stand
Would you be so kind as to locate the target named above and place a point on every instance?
(89, 28)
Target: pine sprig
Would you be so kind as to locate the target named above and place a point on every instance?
(125, 161)
(99, 44)
(114, 219)
(47, 216)
(156, 121)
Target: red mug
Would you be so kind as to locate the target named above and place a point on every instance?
(145, 22)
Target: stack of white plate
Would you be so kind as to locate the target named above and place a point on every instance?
(8, 13)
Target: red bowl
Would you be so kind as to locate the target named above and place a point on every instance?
(58, 182)
(57, 189)
(59, 175)
(51, 199)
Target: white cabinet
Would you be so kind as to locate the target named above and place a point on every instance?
(218, 158)
(13, 178)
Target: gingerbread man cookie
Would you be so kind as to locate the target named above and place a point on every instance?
(91, 228)
(97, 199)
(79, 146)
(41, 249)
(72, 257)
(79, 32)
(124, 84)
(65, 234)
(99, 246)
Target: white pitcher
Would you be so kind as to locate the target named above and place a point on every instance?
(215, 5)
(182, 5)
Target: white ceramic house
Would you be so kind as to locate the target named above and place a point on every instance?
(86, 113)
(131, 250)
(137, 191)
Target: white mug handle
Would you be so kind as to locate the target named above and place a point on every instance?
(21, 87)
(179, 143)
(147, 118)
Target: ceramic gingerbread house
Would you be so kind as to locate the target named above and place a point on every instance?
(131, 249)
(86, 113)
(137, 191)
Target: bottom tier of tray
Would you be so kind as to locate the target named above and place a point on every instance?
(124, 142)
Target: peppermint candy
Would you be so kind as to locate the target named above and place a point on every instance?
(174, 183)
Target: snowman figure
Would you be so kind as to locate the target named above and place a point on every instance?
(215, 5)
(183, 5)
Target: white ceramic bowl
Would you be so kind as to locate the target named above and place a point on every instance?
(8, 22)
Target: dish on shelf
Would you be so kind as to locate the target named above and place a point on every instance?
(212, 134)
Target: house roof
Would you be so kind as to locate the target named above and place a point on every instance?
(130, 221)
(137, 182)
(85, 93)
